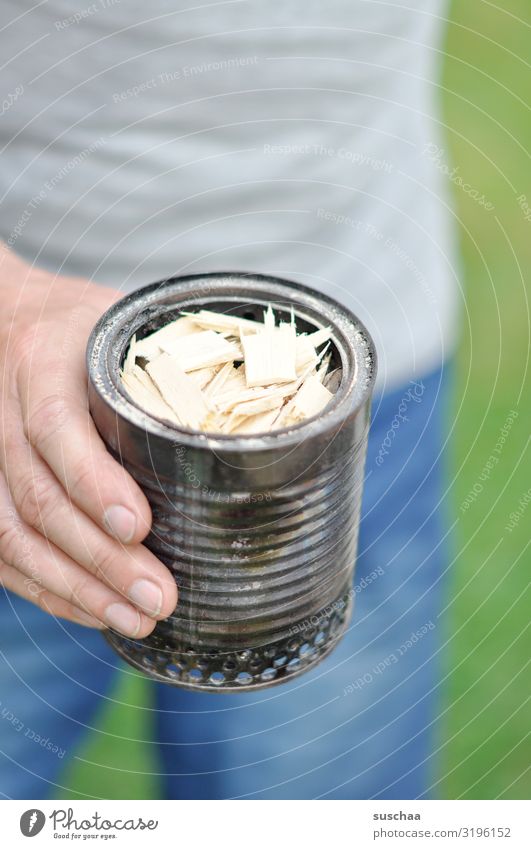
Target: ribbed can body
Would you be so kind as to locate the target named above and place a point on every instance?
(260, 532)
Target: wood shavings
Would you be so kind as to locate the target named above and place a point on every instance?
(269, 318)
(201, 350)
(218, 373)
(222, 379)
(322, 371)
(203, 376)
(311, 398)
(305, 354)
(224, 323)
(256, 405)
(319, 337)
(306, 349)
(153, 345)
(270, 356)
(259, 423)
(178, 391)
(251, 409)
(147, 395)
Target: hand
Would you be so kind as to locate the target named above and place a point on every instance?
(71, 518)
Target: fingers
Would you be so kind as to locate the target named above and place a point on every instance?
(58, 425)
(132, 571)
(12, 579)
(33, 566)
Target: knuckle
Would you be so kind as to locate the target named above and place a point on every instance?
(46, 601)
(83, 476)
(22, 347)
(36, 498)
(8, 541)
(44, 420)
(78, 591)
(105, 560)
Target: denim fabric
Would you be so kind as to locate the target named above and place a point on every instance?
(361, 725)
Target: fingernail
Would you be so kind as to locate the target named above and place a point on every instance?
(146, 595)
(123, 618)
(120, 522)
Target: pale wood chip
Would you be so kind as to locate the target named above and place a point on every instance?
(324, 353)
(260, 423)
(190, 377)
(283, 414)
(306, 345)
(291, 322)
(256, 405)
(323, 368)
(231, 390)
(319, 336)
(292, 388)
(226, 401)
(250, 409)
(230, 423)
(235, 380)
(146, 381)
(202, 350)
(305, 354)
(153, 345)
(147, 396)
(270, 356)
(179, 391)
(224, 323)
(269, 318)
(311, 398)
(213, 423)
(221, 378)
(203, 376)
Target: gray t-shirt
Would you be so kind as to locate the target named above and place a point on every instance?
(143, 140)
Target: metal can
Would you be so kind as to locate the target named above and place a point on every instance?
(259, 531)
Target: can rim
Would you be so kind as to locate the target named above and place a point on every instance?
(101, 351)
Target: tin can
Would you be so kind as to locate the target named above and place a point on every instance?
(259, 531)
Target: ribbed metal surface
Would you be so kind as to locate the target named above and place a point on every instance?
(248, 571)
(259, 532)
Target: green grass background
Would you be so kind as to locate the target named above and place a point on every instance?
(483, 748)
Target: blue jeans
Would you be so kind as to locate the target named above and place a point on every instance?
(361, 725)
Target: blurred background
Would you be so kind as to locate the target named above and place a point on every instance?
(483, 748)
